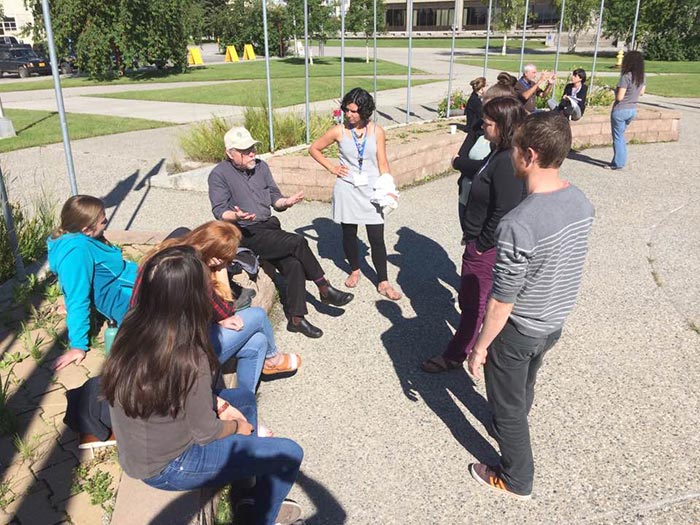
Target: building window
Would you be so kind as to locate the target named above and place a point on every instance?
(396, 19)
(433, 18)
(475, 16)
(9, 24)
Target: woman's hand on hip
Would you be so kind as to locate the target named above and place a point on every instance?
(340, 170)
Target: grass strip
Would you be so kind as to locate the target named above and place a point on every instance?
(38, 128)
(285, 92)
(568, 62)
(284, 68)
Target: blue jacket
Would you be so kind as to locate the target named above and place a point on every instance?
(90, 272)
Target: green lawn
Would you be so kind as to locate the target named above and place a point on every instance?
(568, 62)
(687, 86)
(285, 91)
(285, 68)
(37, 128)
(460, 43)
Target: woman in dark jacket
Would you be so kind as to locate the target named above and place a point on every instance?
(573, 101)
(474, 108)
(495, 191)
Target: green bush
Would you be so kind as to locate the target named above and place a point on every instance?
(458, 100)
(204, 142)
(31, 230)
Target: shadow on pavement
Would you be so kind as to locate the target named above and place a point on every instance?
(423, 268)
(580, 157)
(329, 510)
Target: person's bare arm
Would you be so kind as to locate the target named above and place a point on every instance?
(382, 161)
(497, 314)
(620, 94)
(316, 151)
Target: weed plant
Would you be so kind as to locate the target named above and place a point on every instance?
(31, 229)
(8, 424)
(27, 448)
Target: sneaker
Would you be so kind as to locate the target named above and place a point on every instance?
(489, 477)
(88, 441)
(289, 514)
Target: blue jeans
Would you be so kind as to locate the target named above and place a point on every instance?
(619, 120)
(273, 461)
(250, 346)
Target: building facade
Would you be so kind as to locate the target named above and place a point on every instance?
(472, 15)
(16, 16)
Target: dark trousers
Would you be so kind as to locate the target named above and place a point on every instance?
(474, 288)
(290, 254)
(375, 235)
(510, 371)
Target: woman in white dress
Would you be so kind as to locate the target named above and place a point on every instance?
(362, 147)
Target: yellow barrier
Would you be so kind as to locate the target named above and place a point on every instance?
(194, 56)
(248, 53)
(231, 54)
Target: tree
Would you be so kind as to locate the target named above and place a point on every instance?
(110, 36)
(240, 23)
(322, 23)
(667, 29)
(360, 19)
(577, 17)
(509, 13)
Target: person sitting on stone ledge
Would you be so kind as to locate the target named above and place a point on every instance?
(528, 87)
(245, 334)
(175, 432)
(242, 191)
(90, 271)
(573, 101)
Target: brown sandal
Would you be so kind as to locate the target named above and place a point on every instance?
(289, 363)
(438, 364)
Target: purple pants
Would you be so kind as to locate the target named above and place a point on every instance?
(474, 289)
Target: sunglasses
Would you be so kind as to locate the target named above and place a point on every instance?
(250, 151)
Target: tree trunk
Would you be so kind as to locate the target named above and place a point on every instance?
(505, 38)
(366, 51)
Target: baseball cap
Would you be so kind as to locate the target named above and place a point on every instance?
(239, 138)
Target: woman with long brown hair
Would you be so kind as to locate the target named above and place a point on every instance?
(629, 88)
(247, 334)
(174, 431)
(90, 271)
(494, 192)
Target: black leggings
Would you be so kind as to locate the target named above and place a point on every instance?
(375, 234)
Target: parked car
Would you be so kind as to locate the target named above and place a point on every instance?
(8, 40)
(23, 61)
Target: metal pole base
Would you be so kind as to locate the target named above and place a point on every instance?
(7, 130)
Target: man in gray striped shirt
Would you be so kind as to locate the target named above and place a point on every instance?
(541, 249)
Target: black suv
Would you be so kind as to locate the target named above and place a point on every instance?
(22, 60)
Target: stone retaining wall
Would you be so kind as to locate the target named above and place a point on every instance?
(415, 154)
(651, 125)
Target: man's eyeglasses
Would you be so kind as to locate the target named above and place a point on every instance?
(250, 151)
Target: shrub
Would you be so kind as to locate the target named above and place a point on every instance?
(458, 100)
(204, 141)
(31, 230)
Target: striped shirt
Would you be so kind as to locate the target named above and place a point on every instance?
(541, 249)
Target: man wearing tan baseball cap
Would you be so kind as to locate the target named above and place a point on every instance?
(242, 190)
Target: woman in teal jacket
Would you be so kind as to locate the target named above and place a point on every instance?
(90, 271)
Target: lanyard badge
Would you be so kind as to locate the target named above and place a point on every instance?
(360, 179)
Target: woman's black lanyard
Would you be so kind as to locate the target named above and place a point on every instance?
(360, 147)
